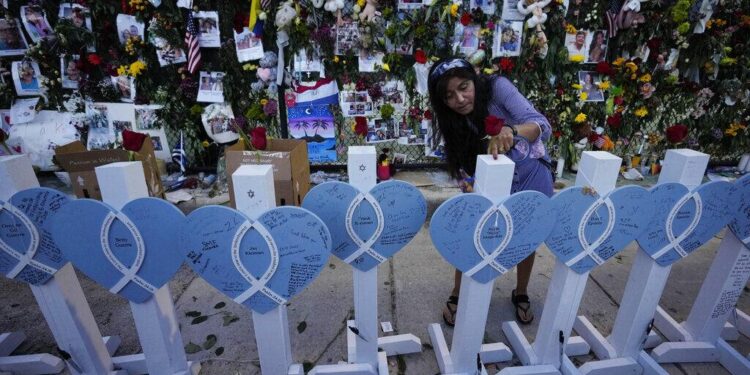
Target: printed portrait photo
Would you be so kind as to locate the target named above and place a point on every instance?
(69, 72)
(508, 37)
(26, 77)
(576, 44)
(589, 82)
(12, 41)
(35, 22)
(597, 42)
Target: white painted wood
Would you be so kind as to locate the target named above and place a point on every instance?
(343, 369)
(742, 322)
(400, 344)
(599, 344)
(568, 368)
(730, 332)
(530, 370)
(17, 174)
(720, 290)
(653, 340)
(615, 366)
(361, 162)
(351, 340)
(440, 347)
(519, 343)
(682, 352)
(32, 364)
(733, 361)
(649, 366)
(296, 369)
(9, 341)
(382, 363)
(155, 320)
(576, 346)
(254, 194)
(495, 352)
(669, 327)
(647, 279)
(134, 364)
(112, 343)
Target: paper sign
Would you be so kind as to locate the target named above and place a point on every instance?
(259, 264)
(683, 221)
(740, 225)
(132, 252)
(485, 240)
(27, 252)
(368, 228)
(591, 229)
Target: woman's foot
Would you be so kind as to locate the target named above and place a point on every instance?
(523, 307)
(449, 311)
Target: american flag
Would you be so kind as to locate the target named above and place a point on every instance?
(179, 156)
(191, 39)
(613, 15)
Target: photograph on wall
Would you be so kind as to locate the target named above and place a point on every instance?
(466, 38)
(26, 77)
(100, 134)
(347, 38)
(507, 40)
(211, 87)
(128, 27)
(12, 41)
(307, 69)
(576, 45)
(369, 60)
(394, 93)
(69, 72)
(381, 130)
(355, 103)
(218, 122)
(589, 82)
(597, 43)
(147, 117)
(168, 54)
(248, 45)
(510, 11)
(208, 29)
(126, 86)
(487, 6)
(410, 4)
(77, 14)
(35, 22)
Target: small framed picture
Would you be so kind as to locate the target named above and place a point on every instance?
(12, 41)
(168, 54)
(26, 77)
(128, 27)
(589, 82)
(597, 43)
(69, 72)
(576, 44)
(211, 87)
(508, 37)
(208, 29)
(466, 38)
(35, 22)
(399, 158)
(76, 13)
(248, 45)
(126, 86)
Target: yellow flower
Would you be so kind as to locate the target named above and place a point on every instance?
(454, 10)
(488, 71)
(604, 85)
(485, 31)
(631, 66)
(577, 86)
(619, 61)
(263, 101)
(136, 68)
(361, 3)
(583, 96)
(580, 117)
(734, 128)
(122, 70)
(641, 112)
(727, 61)
(205, 144)
(633, 76)
(249, 67)
(576, 58)
(570, 29)
(335, 59)
(645, 78)
(386, 67)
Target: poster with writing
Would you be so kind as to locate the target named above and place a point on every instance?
(259, 264)
(740, 224)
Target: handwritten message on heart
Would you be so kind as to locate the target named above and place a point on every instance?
(591, 229)
(740, 224)
(683, 221)
(484, 240)
(259, 264)
(27, 252)
(368, 228)
(132, 252)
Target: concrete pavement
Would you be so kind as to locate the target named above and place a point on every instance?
(413, 287)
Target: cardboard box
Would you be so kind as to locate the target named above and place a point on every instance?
(80, 163)
(291, 168)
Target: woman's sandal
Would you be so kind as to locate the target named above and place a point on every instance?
(523, 307)
(450, 310)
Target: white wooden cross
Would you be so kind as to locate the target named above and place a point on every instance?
(61, 301)
(549, 353)
(155, 319)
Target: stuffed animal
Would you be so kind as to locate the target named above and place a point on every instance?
(370, 12)
(334, 6)
(536, 8)
(318, 3)
(285, 15)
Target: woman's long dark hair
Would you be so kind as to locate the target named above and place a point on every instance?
(462, 143)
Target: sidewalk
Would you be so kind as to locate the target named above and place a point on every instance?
(414, 285)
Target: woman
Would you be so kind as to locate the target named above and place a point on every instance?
(598, 48)
(461, 100)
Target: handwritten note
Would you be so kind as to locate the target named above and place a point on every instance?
(27, 252)
(260, 264)
(740, 224)
(485, 240)
(368, 228)
(683, 221)
(591, 229)
(132, 252)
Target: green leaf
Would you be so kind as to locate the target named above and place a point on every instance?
(210, 342)
(192, 348)
(229, 319)
(219, 351)
(199, 320)
(220, 305)
(193, 314)
(301, 326)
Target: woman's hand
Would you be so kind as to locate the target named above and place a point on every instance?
(501, 143)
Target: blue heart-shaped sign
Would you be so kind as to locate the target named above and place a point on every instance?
(682, 220)
(27, 252)
(260, 264)
(132, 252)
(591, 229)
(740, 225)
(485, 240)
(368, 228)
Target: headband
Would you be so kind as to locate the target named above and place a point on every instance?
(447, 65)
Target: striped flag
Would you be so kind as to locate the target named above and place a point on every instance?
(613, 14)
(179, 156)
(191, 39)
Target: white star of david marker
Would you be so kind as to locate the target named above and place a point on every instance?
(362, 167)
(27, 258)
(257, 285)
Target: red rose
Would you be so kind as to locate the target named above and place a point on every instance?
(506, 64)
(132, 141)
(94, 59)
(557, 134)
(603, 67)
(677, 133)
(361, 126)
(258, 138)
(465, 19)
(493, 125)
(428, 115)
(420, 56)
(615, 120)
(618, 100)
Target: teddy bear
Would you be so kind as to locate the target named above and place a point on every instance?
(285, 15)
(370, 12)
(334, 6)
(536, 8)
